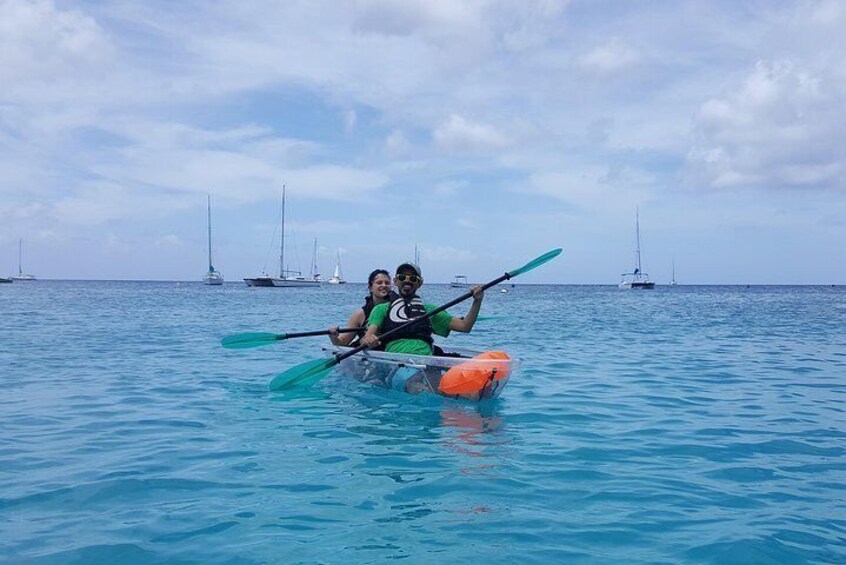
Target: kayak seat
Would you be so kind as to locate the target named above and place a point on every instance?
(399, 378)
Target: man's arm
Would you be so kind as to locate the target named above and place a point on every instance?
(465, 324)
(374, 322)
(370, 339)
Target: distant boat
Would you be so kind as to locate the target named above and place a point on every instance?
(460, 281)
(212, 277)
(503, 290)
(315, 273)
(673, 280)
(336, 276)
(286, 277)
(637, 278)
(21, 276)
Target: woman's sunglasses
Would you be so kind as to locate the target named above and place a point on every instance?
(413, 279)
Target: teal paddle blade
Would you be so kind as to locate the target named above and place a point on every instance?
(546, 257)
(304, 374)
(247, 340)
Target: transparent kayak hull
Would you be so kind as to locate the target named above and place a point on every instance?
(459, 373)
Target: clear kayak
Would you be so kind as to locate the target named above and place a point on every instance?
(456, 372)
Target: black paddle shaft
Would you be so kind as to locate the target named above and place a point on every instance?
(318, 332)
(438, 310)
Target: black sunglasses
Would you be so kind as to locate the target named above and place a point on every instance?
(413, 279)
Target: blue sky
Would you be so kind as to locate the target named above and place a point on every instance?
(484, 132)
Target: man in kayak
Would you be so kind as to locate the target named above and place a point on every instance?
(417, 338)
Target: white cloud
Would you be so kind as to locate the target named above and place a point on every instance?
(827, 12)
(168, 241)
(434, 17)
(350, 120)
(447, 254)
(451, 188)
(40, 43)
(780, 127)
(594, 189)
(468, 223)
(336, 183)
(612, 57)
(459, 134)
(397, 144)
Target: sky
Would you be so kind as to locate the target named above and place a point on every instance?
(481, 132)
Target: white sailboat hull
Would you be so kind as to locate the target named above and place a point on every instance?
(213, 279)
(280, 283)
(296, 283)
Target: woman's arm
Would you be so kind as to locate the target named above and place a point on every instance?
(356, 320)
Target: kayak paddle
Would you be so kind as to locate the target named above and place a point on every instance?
(257, 339)
(312, 371)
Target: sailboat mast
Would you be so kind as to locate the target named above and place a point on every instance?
(20, 252)
(637, 229)
(314, 260)
(282, 244)
(211, 268)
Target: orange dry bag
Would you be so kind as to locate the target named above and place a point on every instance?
(472, 377)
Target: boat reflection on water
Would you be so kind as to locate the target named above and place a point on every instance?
(472, 429)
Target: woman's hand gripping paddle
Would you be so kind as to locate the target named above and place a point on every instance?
(257, 339)
(312, 371)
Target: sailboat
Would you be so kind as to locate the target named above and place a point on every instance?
(637, 278)
(315, 273)
(21, 276)
(673, 280)
(336, 276)
(286, 277)
(212, 277)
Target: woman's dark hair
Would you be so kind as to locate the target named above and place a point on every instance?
(375, 274)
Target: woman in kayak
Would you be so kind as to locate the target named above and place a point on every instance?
(379, 285)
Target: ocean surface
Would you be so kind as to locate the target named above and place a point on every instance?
(695, 424)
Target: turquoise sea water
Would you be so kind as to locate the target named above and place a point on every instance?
(681, 425)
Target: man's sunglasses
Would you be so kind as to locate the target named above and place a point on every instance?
(413, 279)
